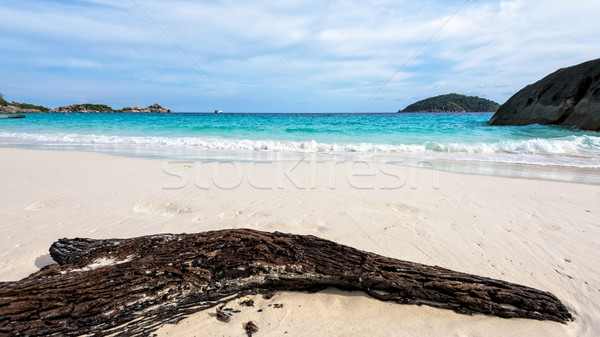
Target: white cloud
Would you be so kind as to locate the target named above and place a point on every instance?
(301, 51)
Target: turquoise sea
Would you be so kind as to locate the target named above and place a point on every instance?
(460, 142)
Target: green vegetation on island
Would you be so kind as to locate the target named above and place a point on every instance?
(24, 106)
(453, 103)
(88, 107)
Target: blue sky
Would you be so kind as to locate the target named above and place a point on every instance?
(285, 56)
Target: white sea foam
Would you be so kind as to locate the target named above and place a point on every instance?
(580, 151)
(573, 145)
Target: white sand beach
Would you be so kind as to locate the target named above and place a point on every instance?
(542, 234)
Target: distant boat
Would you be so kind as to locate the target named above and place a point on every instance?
(218, 111)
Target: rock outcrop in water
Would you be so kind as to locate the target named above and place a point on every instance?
(156, 108)
(133, 286)
(570, 97)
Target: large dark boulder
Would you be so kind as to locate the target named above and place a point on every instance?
(570, 97)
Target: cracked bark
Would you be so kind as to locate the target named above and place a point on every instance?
(134, 286)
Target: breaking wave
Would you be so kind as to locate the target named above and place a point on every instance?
(582, 147)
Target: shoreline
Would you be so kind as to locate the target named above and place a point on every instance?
(556, 173)
(532, 232)
(453, 143)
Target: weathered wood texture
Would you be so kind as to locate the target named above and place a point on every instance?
(133, 286)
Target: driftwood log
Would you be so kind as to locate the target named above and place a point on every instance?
(134, 286)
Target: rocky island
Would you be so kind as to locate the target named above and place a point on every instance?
(569, 97)
(101, 108)
(453, 103)
(15, 107)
